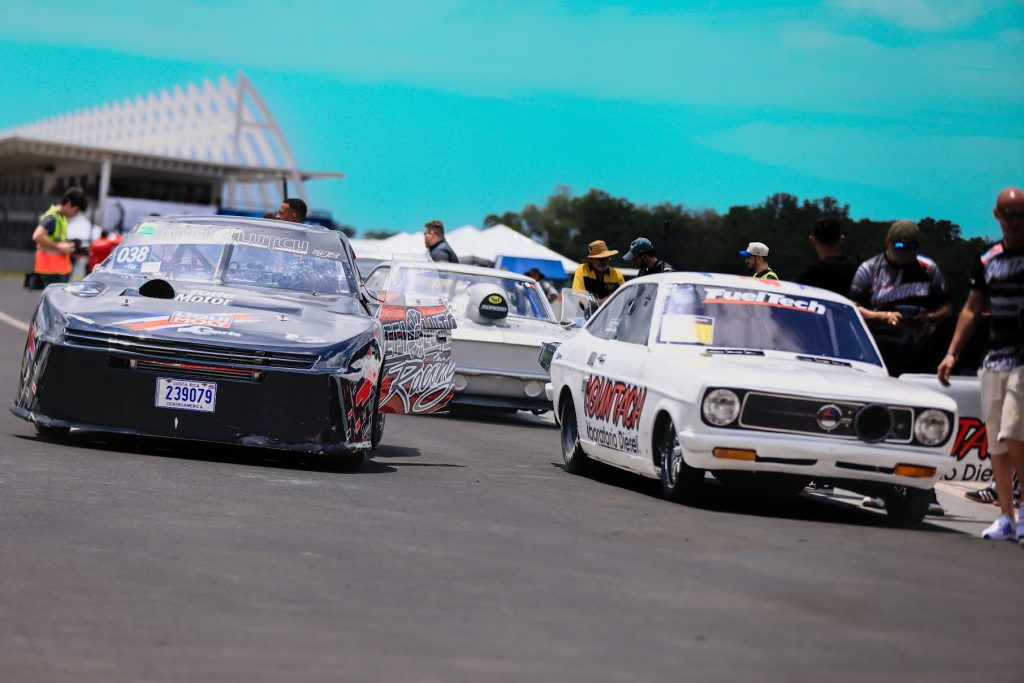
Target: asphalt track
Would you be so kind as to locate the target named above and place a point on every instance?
(462, 552)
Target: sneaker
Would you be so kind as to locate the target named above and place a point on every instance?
(985, 495)
(873, 503)
(1003, 529)
(936, 509)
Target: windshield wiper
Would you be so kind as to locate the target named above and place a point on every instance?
(825, 361)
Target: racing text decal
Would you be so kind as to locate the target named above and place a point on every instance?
(419, 370)
(970, 450)
(615, 409)
(720, 295)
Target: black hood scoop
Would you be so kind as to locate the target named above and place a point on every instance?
(154, 289)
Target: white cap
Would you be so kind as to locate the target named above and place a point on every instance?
(755, 249)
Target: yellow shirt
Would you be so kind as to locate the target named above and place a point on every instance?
(586, 279)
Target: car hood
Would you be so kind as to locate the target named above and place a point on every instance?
(779, 373)
(520, 331)
(218, 315)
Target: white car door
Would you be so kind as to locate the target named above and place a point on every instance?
(614, 394)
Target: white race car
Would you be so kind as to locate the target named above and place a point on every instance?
(501, 321)
(766, 384)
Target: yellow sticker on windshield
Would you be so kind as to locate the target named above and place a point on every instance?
(686, 329)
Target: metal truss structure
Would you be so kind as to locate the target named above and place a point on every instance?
(226, 125)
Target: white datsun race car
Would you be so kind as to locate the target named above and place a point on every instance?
(766, 384)
(501, 321)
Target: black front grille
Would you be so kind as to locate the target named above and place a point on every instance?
(773, 412)
(187, 352)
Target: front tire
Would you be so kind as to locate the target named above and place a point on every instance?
(576, 461)
(679, 481)
(906, 506)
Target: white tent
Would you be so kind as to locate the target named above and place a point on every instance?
(468, 242)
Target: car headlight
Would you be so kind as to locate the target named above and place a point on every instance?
(931, 427)
(721, 407)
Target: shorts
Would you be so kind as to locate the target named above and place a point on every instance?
(1002, 406)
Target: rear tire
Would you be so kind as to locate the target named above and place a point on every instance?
(905, 506)
(679, 482)
(576, 461)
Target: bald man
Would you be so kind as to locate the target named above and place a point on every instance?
(998, 279)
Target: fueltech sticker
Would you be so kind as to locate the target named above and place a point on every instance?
(720, 295)
(613, 410)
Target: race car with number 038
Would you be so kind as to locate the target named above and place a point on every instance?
(502, 320)
(231, 330)
(766, 384)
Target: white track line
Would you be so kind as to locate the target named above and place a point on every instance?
(13, 322)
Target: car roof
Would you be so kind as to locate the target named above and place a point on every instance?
(463, 268)
(744, 282)
(239, 221)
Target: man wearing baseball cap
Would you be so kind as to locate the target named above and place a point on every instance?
(641, 253)
(755, 256)
(902, 296)
(595, 275)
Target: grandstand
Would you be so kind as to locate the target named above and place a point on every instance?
(195, 149)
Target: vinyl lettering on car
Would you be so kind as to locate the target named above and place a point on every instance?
(202, 296)
(613, 409)
(720, 295)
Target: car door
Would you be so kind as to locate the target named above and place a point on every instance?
(419, 372)
(613, 396)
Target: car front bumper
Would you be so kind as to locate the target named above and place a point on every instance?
(818, 458)
(304, 411)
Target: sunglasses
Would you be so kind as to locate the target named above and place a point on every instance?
(1012, 215)
(901, 246)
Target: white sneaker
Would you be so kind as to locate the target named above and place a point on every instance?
(1003, 529)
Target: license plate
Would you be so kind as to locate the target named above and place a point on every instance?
(183, 394)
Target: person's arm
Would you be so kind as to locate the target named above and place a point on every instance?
(41, 236)
(894, 318)
(939, 314)
(965, 326)
(941, 293)
(860, 294)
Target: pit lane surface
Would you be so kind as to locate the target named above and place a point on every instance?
(462, 552)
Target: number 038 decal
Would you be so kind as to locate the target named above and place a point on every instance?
(126, 255)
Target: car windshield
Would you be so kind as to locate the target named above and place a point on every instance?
(763, 320)
(525, 298)
(273, 257)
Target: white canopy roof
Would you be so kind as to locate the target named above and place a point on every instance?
(487, 244)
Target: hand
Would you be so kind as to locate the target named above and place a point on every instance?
(893, 318)
(946, 369)
(66, 247)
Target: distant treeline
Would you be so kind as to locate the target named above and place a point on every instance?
(709, 241)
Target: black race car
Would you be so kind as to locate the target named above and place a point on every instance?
(232, 330)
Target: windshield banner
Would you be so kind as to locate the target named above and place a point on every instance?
(720, 295)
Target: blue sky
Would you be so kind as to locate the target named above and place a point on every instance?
(456, 109)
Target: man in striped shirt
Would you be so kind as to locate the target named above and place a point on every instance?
(998, 279)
